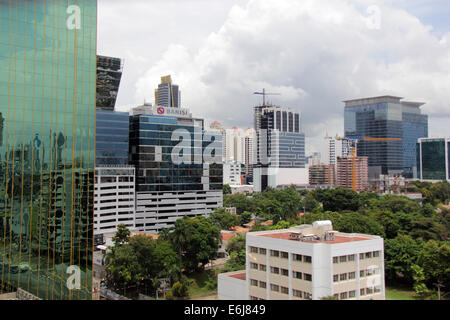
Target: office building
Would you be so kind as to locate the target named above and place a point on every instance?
(250, 154)
(349, 169)
(109, 74)
(387, 118)
(47, 103)
(112, 136)
(308, 262)
(433, 157)
(322, 174)
(168, 94)
(280, 148)
(173, 181)
(314, 159)
(338, 147)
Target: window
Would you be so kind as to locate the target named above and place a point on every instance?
(274, 287)
(307, 277)
(335, 260)
(307, 259)
(335, 278)
(377, 289)
(351, 257)
(297, 275)
(362, 292)
(343, 295)
(262, 284)
(262, 251)
(343, 277)
(343, 259)
(352, 294)
(285, 272)
(253, 250)
(336, 296)
(376, 254)
(262, 267)
(297, 257)
(362, 273)
(297, 293)
(253, 282)
(361, 256)
(307, 295)
(369, 290)
(254, 265)
(284, 290)
(285, 255)
(274, 253)
(352, 275)
(275, 270)
(369, 272)
(368, 255)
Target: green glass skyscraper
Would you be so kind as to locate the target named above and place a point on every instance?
(47, 146)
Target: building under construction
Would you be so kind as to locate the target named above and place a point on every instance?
(109, 74)
(322, 174)
(352, 173)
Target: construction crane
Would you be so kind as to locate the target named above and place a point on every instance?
(355, 141)
(264, 94)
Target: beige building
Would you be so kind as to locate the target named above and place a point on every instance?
(310, 262)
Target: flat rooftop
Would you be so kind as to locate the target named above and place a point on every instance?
(382, 99)
(241, 275)
(338, 238)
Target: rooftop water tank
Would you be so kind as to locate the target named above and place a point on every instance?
(323, 223)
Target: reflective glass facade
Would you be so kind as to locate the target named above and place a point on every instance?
(433, 159)
(47, 121)
(109, 74)
(390, 119)
(112, 135)
(151, 153)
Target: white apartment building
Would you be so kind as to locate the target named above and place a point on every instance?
(232, 173)
(114, 198)
(309, 262)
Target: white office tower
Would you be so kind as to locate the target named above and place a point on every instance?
(114, 201)
(168, 94)
(338, 147)
(232, 173)
(235, 145)
(308, 262)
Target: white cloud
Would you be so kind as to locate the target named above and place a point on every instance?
(315, 53)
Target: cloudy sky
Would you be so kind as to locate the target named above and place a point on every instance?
(316, 53)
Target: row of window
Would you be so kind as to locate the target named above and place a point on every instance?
(351, 257)
(281, 254)
(344, 276)
(362, 292)
(283, 272)
(280, 289)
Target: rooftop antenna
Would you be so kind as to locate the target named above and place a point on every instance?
(264, 94)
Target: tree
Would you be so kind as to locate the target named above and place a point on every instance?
(223, 219)
(419, 286)
(122, 235)
(310, 203)
(196, 240)
(226, 189)
(236, 244)
(245, 217)
(123, 268)
(401, 254)
(340, 199)
(428, 229)
(434, 259)
(354, 222)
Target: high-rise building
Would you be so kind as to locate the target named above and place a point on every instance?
(349, 169)
(47, 101)
(399, 122)
(250, 154)
(109, 74)
(322, 174)
(168, 94)
(280, 148)
(173, 178)
(433, 159)
(308, 262)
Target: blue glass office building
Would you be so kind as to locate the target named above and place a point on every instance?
(165, 189)
(433, 159)
(387, 117)
(112, 136)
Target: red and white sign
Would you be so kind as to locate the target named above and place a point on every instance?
(160, 110)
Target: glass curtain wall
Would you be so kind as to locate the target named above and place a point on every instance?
(47, 124)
